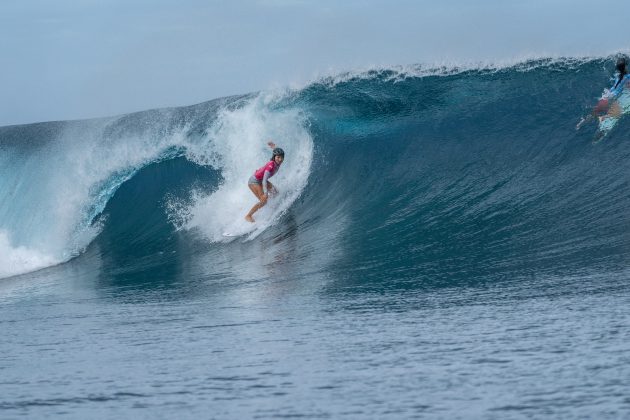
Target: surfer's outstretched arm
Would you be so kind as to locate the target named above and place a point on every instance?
(583, 121)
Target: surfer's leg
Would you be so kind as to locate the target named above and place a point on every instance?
(258, 192)
(601, 108)
(256, 189)
(615, 110)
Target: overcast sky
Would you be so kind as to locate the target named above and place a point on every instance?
(70, 59)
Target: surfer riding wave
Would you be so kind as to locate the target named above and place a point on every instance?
(259, 182)
(608, 106)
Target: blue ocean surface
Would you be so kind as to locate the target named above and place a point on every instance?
(445, 244)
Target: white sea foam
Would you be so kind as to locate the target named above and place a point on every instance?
(16, 260)
(236, 145)
(56, 191)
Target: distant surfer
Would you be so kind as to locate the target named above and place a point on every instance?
(259, 182)
(623, 78)
(607, 106)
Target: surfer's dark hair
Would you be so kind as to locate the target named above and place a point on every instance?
(621, 68)
(277, 152)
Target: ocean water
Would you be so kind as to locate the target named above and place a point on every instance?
(445, 244)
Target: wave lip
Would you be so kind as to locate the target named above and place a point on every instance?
(452, 68)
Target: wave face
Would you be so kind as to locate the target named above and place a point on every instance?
(412, 175)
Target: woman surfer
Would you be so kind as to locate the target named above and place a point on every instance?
(259, 182)
(607, 105)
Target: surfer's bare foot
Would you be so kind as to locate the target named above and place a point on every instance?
(249, 218)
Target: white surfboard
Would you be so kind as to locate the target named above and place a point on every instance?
(264, 218)
(239, 228)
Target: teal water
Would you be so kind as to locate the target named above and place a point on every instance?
(75, 346)
(445, 245)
